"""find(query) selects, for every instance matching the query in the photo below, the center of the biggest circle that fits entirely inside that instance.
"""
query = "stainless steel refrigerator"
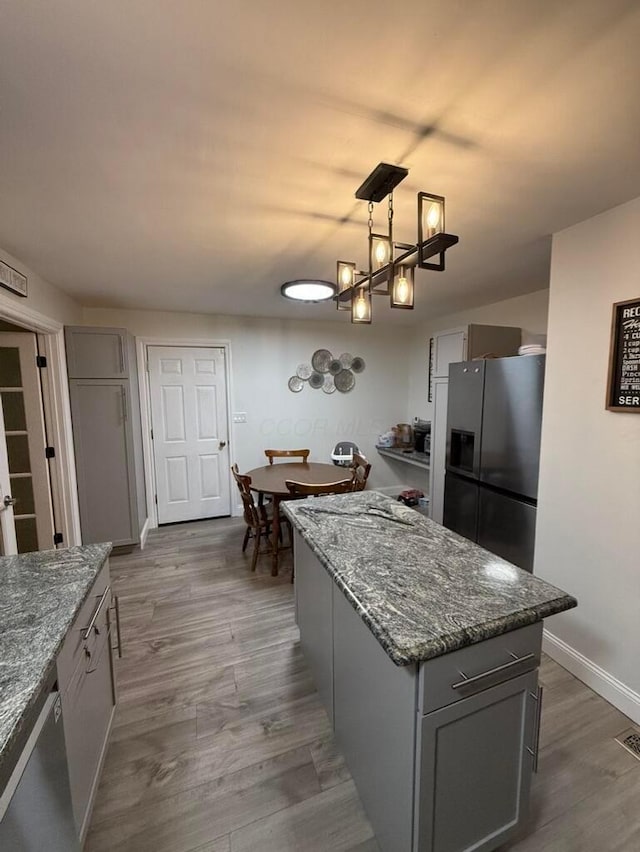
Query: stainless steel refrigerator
(494, 420)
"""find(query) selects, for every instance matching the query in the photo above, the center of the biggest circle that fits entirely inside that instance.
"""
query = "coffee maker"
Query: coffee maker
(422, 436)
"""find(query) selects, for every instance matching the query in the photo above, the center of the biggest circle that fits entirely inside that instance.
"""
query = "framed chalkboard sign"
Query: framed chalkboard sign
(623, 389)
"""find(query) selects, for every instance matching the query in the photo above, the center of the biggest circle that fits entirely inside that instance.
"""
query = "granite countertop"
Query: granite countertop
(422, 589)
(40, 595)
(408, 455)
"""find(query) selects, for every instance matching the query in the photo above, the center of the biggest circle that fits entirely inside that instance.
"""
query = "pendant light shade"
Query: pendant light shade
(345, 279)
(361, 305)
(402, 290)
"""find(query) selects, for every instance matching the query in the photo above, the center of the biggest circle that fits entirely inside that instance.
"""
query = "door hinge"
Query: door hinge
(156, 496)
(49, 452)
(58, 538)
(41, 361)
(152, 434)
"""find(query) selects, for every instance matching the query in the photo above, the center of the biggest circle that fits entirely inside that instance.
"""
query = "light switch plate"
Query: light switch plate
(240, 417)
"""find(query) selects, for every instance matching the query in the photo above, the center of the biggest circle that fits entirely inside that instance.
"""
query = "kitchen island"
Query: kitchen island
(55, 636)
(425, 649)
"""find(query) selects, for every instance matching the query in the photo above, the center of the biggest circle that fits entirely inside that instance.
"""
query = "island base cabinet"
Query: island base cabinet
(314, 616)
(475, 760)
(374, 722)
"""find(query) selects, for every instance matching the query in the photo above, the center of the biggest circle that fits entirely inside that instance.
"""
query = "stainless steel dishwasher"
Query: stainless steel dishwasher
(35, 807)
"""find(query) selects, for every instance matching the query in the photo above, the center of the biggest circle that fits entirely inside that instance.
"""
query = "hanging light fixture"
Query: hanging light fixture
(392, 265)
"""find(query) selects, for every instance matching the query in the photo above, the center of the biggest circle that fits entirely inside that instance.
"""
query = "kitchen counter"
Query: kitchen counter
(40, 596)
(422, 590)
(428, 646)
(406, 456)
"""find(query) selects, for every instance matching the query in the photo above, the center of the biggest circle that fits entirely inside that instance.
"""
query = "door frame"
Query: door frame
(145, 414)
(57, 414)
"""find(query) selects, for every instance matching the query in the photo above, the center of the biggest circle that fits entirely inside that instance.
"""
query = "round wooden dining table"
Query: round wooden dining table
(271, 480)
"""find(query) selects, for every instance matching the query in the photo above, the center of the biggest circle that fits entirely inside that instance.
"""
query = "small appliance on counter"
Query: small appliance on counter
(422, 436)
(405, 435)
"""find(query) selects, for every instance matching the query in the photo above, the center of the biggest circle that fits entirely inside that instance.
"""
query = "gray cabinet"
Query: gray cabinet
(473, 341)
(441, 752)
(374, 712)
(474, 769)
(87, 686)
(97, 353)
(105, 412)
(314, 615)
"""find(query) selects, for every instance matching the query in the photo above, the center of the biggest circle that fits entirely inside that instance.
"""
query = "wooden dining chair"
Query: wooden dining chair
(306, 489)
(361, 469)
(255, 517)
(287, 454)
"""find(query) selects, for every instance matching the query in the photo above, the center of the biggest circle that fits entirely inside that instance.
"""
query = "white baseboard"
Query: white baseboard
(144, 533)
(605, 684)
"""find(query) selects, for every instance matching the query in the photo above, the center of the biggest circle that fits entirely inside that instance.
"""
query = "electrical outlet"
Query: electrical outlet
(240, 417)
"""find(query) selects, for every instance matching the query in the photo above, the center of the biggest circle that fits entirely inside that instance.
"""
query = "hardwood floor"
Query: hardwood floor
(220, 743)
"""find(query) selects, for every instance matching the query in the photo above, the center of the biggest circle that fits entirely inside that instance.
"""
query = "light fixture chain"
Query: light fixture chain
(390, 207)
(370, 220)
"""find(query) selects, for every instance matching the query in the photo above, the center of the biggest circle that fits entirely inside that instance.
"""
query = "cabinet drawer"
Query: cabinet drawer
(445, 680)
(73, 648)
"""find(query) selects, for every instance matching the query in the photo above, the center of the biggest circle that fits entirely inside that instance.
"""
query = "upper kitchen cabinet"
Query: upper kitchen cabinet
(97, 353)
(107, 434)
(473, 341)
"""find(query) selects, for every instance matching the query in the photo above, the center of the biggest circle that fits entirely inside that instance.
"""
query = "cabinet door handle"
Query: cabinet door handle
(88, 655)
(92, 624)
(121, 354)
(536, 727)
(116, 609)
(125, 415)
(475, 683)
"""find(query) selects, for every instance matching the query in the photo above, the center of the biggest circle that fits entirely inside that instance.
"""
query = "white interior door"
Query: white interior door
(190, 441)
(8, 541)
(24, 442)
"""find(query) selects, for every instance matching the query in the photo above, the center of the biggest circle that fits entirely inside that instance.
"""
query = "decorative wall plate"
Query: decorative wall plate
(358, 365)
(345, 380)
(303, 371)
(335, 366)
(295, 384)
(346, 359)
(321, 359)
(329, 385)
(316, 380)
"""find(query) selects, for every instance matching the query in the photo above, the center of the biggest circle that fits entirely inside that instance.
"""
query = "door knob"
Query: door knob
(222, 445)
(10, 501)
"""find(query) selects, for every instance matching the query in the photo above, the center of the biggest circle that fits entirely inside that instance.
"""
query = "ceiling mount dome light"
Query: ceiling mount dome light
(310, 290)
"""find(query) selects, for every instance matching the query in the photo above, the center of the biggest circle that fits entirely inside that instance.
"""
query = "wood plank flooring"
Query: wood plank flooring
(220, 743)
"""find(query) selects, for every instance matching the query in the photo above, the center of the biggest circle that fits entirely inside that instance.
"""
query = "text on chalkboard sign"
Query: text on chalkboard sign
(623, 391)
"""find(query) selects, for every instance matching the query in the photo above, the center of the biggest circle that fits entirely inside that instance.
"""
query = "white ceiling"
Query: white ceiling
(194, 155)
